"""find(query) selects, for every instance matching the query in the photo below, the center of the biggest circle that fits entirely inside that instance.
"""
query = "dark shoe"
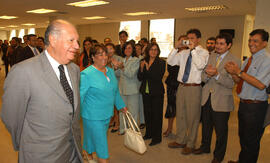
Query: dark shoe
(142, 126)
(114, 130)
(176, 145)
(154, 143)
(187, 151)
(215, 161)
(200, 151)
(233, 161)
(146, 137)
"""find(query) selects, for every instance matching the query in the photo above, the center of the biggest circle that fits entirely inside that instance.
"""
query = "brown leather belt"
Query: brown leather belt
(189, 84)
(251, 101)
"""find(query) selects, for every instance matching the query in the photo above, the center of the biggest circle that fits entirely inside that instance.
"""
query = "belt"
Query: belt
(251, 101)
(189, 84)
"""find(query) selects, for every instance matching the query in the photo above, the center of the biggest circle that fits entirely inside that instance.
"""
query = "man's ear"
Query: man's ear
(52, 40)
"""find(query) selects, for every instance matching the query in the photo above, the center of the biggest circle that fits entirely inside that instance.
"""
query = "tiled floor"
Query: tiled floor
(157, 154)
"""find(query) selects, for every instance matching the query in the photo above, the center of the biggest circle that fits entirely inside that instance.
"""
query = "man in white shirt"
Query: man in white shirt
(188, 98)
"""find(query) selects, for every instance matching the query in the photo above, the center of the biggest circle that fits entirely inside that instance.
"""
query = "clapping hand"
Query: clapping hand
(232, 68)
(211, 70)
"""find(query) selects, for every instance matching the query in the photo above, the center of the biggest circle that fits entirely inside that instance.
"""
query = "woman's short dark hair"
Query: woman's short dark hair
(110, 44)
(133, 48)
(96, 48)
(147, 56)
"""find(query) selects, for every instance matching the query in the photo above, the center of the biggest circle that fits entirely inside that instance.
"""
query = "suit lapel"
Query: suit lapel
(224, 60)
(73, 77)
(51, 78)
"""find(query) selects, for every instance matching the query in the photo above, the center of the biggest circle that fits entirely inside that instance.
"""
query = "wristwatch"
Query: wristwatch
(240, 73)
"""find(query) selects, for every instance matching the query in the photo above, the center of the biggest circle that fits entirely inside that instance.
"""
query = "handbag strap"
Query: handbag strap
(134, 122)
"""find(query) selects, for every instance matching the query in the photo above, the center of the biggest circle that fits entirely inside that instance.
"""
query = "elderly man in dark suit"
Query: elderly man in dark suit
(217, 98)
(42, 111)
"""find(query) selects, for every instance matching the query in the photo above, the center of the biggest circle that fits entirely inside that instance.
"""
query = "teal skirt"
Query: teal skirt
(95, 137)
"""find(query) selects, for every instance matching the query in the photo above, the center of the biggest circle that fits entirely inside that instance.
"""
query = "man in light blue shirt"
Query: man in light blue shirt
(252, 80)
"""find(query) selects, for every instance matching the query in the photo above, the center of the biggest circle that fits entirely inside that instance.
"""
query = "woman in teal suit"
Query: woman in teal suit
(99, 93)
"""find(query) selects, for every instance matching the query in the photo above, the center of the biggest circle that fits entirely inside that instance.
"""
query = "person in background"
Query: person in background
(85, 59)
(4, 48)
(144, 42)
(123, 36)
(18, 51)
(217, 98)
(152, 69)
(40, 44)
(153, 40)
(107, 40)
(99, 93)
(210, 45)
(252, 79)
(25, 41)
(172, 85)
(139, 54)
(188, 97)
(14, 43)
(128, 82)
(114, 62)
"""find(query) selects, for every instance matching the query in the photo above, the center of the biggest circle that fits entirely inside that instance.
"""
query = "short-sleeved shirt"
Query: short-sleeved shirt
(260, 69)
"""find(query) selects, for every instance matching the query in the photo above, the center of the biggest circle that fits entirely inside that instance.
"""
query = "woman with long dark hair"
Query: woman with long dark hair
(85, 58)
(152, 69)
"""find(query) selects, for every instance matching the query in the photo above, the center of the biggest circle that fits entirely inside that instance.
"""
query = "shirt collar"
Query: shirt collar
(258, 53)
(53, 62)
(223, 55)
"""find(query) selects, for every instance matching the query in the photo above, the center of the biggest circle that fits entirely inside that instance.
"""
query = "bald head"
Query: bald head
(55, 28)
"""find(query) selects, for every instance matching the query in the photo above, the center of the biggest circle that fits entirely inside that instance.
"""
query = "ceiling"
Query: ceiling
(114, 11)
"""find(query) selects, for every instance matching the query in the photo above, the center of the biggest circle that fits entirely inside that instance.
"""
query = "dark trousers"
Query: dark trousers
(153, 114)
(218, 120)
(6, 65)
(250, 121)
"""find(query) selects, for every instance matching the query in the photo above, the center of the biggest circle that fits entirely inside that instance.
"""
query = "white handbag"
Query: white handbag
(133, 137)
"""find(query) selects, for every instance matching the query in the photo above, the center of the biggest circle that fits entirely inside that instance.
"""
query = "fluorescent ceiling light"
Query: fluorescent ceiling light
(12, 26)
(140, 13)
(8, 17)
(206, 8)
(41, 11)
(29, 24)
(88, 3)
(2, 27)
(94, 17)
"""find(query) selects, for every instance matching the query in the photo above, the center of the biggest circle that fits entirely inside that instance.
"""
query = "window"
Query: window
(12, 34)
(32, 31)
(21, 34)
(163, 31)
(133, 28)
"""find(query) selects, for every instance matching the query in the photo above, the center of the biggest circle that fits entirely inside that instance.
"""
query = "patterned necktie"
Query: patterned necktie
(66, 86)
(187, 68)
(240, 84)
(35, 51)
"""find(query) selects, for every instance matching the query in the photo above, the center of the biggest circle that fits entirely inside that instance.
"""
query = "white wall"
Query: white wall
(210, 26)
(3, 35)
(262, 16)
(99, 31)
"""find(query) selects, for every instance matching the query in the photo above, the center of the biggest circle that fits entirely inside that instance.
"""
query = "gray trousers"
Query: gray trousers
(188, 112)
(132, 103)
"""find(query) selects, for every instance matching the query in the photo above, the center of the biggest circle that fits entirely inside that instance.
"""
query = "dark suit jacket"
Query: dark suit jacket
(119, 50)
(27, 53)
(17, 55)
(154, 77)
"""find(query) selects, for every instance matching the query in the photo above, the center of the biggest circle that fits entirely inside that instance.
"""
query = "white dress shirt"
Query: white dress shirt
(55, 65)
(198, 63)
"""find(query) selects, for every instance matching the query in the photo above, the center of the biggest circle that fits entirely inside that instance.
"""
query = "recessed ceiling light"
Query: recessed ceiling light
(12, 26)
(140, 13)
(41, 11)
(206, 8)
(28, 24)
(88, 3)
(8, 17)
(94, 17)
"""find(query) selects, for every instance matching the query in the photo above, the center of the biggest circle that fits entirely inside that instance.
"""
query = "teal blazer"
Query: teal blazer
(98, 95)
(128, 82)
